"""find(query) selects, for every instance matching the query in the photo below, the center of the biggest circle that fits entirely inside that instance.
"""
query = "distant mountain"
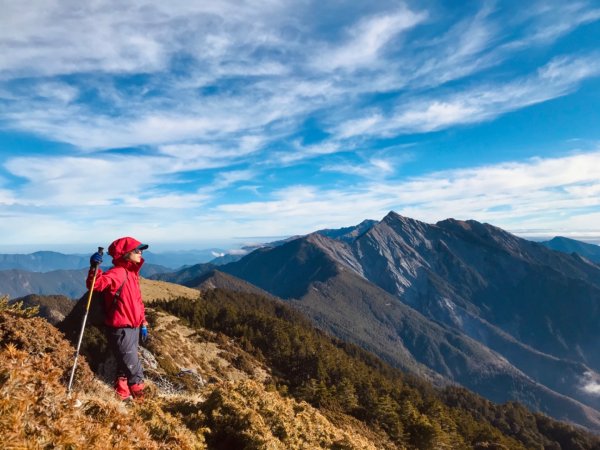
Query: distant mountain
(227, 258)
(149, 269)
(566, 245)
(184, 275)
(43, 261)
(19, 283)
(532, 312)
(178, 259)
(69, 283)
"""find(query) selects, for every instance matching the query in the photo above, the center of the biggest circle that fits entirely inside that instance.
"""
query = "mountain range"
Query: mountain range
(456, 301)
(47, 261)
(70, 283)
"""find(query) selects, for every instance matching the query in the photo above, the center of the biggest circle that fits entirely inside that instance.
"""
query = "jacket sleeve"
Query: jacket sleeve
(113, 278)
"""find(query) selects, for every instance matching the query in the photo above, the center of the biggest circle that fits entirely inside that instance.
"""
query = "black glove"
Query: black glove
(96, 259)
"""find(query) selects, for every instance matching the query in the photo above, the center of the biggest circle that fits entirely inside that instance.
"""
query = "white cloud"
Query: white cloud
(7, 197)
(98, 181)
(230, 85)
(591, 383)
(547, 21)
(533, 194)
(277, 56)
(559, 77)
(367, 40)
(375, 168)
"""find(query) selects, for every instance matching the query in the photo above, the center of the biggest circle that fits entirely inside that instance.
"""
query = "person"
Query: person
(125, 317)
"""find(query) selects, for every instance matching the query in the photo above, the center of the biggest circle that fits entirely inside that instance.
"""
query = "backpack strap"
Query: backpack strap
(117, 296)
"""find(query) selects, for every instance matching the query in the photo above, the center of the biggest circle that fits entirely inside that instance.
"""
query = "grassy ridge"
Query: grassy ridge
(338, 377)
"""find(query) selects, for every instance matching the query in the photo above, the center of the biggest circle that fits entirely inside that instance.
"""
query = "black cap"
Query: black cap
(142, 247)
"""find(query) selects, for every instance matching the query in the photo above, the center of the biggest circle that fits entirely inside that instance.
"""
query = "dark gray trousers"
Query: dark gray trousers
(124, 345)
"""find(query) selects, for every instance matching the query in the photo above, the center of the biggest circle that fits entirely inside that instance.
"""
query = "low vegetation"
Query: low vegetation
(340, 378)
(274, 382)
(36, 412)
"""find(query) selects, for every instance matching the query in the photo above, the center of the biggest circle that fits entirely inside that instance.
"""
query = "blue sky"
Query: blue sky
(218, 123)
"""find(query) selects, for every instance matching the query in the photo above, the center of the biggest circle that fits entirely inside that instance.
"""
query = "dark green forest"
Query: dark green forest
(338, 377)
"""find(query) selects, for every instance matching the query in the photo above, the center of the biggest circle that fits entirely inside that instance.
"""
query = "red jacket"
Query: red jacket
(128, 309)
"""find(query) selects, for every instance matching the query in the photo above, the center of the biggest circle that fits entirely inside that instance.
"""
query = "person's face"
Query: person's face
(134, 256)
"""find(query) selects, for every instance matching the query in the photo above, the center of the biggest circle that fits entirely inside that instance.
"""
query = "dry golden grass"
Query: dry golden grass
(153, 290)
(246, 416)
(35, 411)
(212, 356)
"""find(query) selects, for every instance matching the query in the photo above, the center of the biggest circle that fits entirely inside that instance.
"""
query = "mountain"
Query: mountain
(69, 283)
(566, 245)
(227, 370)
(185, 274)
(178, 259)
(478, 291)
(18, 283)
(348, 234)
(43, 261)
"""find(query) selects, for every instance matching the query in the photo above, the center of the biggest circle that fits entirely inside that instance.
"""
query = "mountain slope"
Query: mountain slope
(357, 311)
(533, 308)
(53, 308)
(566, 245)
(339, 376)
(458, 271)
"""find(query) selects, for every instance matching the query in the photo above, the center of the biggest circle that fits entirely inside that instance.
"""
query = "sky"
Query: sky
(197, 124)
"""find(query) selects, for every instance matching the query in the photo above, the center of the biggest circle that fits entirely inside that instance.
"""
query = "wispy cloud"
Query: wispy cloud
(95, 181)
(546, 21)
(367, 39)
(537, 192)
(553, 194)
(477, 104)
(156, 107)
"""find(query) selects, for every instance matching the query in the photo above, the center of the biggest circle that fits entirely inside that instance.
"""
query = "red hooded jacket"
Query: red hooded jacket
(128, 309)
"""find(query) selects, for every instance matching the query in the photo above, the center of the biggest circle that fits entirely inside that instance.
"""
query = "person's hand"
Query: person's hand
(96, 259)
(144, 332)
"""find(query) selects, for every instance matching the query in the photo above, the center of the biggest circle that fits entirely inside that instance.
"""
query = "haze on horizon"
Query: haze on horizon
(204, 122)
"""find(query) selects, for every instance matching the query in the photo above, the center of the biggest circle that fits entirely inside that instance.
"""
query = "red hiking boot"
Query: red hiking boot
(137, 390)
(122, 389)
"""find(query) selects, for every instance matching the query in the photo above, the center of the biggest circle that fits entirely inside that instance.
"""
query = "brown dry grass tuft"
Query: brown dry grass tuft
(35, 412)
(244, 415)
(153, 290)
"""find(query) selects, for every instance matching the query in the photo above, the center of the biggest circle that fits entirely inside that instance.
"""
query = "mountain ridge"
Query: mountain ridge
(453, 272)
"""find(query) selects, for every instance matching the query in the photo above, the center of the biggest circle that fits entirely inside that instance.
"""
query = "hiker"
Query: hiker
(124, 311)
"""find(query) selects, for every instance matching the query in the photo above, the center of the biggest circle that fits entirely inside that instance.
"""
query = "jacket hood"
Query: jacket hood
(122, 246)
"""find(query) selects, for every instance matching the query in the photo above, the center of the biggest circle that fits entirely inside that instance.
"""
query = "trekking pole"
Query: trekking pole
(87, 309)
